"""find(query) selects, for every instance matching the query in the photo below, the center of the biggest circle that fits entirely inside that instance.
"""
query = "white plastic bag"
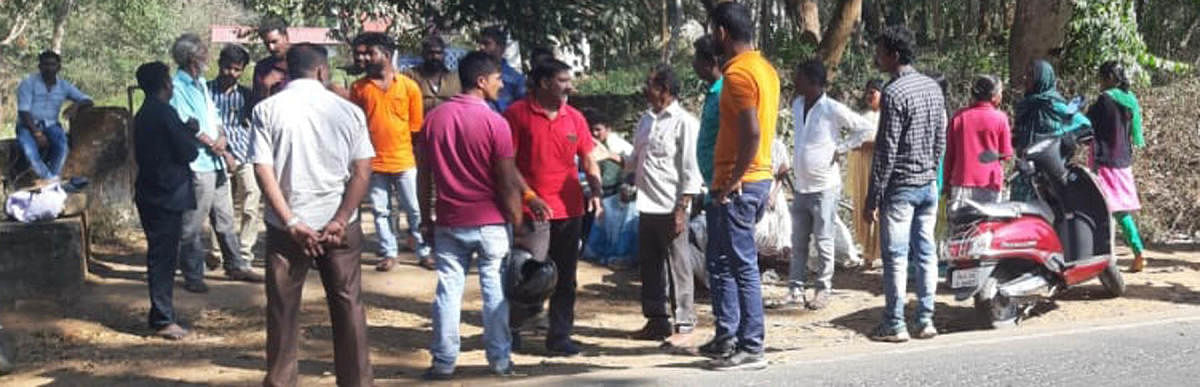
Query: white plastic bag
(31, 205)
(773, 234)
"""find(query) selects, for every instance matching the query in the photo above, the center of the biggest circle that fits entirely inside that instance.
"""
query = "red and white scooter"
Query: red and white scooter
(1011, 255)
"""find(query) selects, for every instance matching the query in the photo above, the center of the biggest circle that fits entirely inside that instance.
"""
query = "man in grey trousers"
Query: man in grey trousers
(667, 178)
(211, 180)
(818, 123)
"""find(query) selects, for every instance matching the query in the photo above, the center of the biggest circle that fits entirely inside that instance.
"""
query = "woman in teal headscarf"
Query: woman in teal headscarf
(1042, 113)
(1117, 118)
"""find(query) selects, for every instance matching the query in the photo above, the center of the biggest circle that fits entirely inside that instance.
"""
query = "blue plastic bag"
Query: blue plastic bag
(613, 240)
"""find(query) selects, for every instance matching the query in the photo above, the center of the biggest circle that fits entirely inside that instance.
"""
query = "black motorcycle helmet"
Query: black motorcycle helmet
(529, 282)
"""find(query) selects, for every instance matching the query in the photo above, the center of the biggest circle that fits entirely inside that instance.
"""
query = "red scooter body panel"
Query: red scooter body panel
(1028, 237)
(1084, 272)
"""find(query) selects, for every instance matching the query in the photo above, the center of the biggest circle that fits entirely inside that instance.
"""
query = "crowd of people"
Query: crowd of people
(485, 160)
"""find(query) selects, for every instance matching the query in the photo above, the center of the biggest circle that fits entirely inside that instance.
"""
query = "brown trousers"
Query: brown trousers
(287, 267)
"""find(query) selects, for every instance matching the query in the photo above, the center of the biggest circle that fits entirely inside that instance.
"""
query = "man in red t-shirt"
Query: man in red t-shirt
(549, 137)
(973, 131)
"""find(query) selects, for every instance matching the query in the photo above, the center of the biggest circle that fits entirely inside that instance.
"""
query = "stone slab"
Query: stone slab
(43, 259)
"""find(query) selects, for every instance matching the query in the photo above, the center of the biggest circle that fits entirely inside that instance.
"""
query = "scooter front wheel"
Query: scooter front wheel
(995, 310)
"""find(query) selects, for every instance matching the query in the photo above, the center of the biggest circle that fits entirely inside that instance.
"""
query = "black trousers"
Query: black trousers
(559, 241)
(164, 230)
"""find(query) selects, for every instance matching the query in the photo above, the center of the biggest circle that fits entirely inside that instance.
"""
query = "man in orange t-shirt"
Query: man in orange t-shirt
(742, 173)
(392, 103)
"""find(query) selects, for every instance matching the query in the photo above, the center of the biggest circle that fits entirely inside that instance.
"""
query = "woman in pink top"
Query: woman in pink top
(973, 131)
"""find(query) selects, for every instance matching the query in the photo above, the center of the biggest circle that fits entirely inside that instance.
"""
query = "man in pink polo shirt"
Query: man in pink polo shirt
(468, 152)
(973, 131)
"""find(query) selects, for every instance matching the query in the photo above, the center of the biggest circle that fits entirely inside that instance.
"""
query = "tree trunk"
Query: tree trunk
(806, 17)
(872, 17)
(60, 24)
(674, 22)
(20, 22)
(938, 19)
(833, 44)
(985, 19)
(1039, 31)
(766, 19)
(1187, 37)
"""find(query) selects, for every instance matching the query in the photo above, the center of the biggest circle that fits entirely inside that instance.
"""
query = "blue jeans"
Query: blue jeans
(732, 261)
(907, 220)
(404, 185)
(453, 248)
(48, 165)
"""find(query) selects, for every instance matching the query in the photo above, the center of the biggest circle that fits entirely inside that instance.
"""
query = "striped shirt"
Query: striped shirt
(231, 107)
(911, 137)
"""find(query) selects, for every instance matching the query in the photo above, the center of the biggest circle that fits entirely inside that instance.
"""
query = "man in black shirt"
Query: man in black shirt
(164, 146)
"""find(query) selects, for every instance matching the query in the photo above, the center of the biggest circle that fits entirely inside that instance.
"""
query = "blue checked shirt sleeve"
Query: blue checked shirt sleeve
(887, 140)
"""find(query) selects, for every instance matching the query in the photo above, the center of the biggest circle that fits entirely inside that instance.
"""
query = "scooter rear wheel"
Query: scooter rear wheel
(992, 309)
(1112, 280)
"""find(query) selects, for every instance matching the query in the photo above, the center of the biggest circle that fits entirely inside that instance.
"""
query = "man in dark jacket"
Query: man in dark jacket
(164, 147)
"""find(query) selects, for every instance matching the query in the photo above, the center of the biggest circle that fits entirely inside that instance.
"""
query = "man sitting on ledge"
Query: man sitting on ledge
(39, 99)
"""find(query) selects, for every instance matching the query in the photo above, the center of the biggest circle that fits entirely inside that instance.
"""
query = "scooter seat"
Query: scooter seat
(1004, 210)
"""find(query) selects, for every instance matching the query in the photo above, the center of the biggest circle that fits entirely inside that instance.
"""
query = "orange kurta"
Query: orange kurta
(393, 115)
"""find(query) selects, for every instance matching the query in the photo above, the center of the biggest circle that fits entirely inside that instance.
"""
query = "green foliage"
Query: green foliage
(1103, 30)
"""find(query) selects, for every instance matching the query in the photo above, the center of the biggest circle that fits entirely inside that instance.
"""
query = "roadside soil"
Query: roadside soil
(100, 339)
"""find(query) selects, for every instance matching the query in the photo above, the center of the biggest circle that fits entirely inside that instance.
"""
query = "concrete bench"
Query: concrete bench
(43, 259)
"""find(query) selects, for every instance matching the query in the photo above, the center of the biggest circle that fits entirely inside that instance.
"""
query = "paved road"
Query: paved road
(1163, 352)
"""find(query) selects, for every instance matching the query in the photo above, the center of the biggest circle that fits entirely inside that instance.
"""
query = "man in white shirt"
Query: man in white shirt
(312, 154)
(667, 177)
(818, 122)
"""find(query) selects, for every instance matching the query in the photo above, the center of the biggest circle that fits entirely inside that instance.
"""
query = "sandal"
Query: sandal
(427, 263)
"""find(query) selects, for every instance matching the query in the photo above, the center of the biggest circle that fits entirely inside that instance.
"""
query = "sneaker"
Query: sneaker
(654, 330)
(820, 300)
(503, 372)
(565, 348)
(739, 361)
(793, 300)
(195, 287)
(927, 331)
(433, 375)
(889, 335)
(717, 349)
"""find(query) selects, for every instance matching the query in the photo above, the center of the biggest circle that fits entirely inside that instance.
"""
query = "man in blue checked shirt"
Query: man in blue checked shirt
(213, 199)
(230, 99)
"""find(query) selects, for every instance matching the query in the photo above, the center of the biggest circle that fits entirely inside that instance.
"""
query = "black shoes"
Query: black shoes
(717, 349)
(740, 360)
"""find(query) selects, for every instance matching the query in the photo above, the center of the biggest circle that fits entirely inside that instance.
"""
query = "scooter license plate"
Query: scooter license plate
(964, 278)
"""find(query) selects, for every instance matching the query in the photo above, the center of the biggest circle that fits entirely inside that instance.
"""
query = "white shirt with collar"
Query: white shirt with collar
(311, 137)
(664, 156)
(818, 140)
